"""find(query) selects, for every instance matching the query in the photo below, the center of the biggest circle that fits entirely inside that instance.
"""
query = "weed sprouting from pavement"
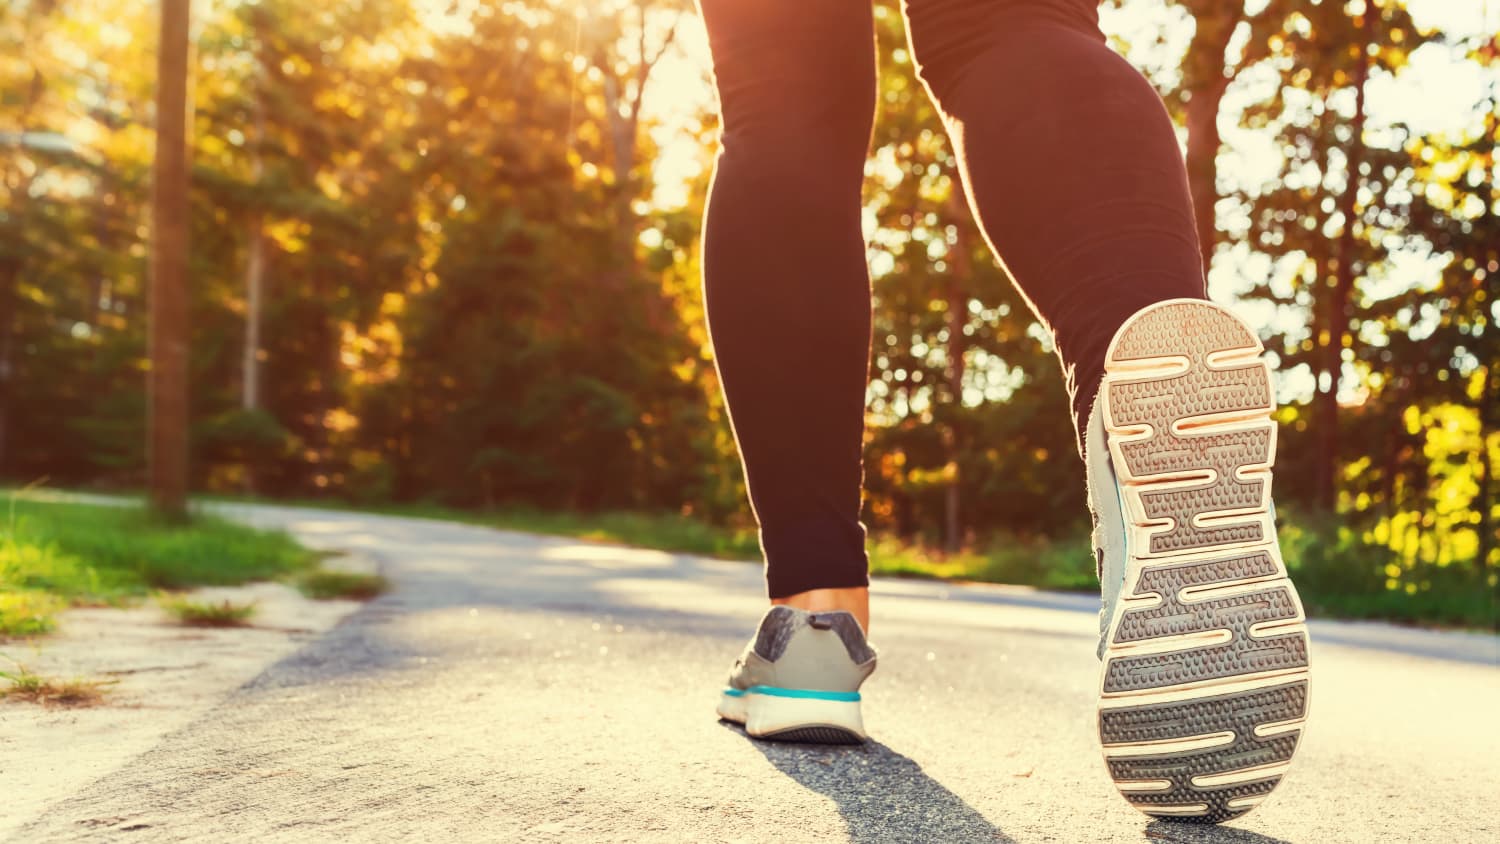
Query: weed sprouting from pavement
(324, 585)
(193, 613)
(30, 687)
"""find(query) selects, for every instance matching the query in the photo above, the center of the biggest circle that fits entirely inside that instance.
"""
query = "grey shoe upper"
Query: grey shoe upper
(796, 649)
(1110, 553)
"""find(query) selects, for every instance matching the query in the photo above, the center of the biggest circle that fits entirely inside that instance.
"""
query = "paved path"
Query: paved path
(516, 688)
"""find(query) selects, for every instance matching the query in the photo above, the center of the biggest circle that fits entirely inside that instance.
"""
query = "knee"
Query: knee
(797, 121)
(796, 90)
(1056, 94)
(955, 39)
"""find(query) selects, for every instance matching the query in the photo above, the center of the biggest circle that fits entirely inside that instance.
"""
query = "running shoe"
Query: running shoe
(799, 679)
(1204, 684)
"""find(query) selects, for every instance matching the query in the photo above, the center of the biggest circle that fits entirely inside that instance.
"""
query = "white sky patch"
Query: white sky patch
(678, 96)
(1458, 18)
(447, 17)
(1151, 35)
(1439, 92)
(1436, 93)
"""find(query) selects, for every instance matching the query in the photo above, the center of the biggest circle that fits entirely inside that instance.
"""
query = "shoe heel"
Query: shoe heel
(732, 706)
(804, 716)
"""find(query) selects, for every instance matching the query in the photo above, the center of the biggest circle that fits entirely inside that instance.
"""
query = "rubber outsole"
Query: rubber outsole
(794, 720)
(1204, 688)
(815, 735)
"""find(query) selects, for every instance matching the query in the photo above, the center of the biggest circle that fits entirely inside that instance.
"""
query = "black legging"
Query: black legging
(1071, 167)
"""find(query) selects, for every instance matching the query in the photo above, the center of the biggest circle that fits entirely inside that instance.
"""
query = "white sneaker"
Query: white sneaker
(799, 678)
(1204, 684)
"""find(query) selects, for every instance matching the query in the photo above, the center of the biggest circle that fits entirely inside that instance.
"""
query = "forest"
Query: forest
(446, 253)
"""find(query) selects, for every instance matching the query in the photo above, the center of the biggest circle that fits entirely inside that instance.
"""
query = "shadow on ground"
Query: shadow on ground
(1187, 833)
(882, 795)
(885, 796)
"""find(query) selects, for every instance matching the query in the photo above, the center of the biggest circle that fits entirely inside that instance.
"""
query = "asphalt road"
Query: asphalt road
(516, 688)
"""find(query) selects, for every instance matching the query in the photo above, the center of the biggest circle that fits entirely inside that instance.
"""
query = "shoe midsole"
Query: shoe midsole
(766, 712)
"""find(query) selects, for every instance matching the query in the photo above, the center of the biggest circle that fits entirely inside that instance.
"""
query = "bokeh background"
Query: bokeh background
(444, 260)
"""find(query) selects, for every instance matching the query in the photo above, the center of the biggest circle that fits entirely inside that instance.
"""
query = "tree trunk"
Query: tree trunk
(622, 142)
(255, 272)
(625, 117)
(1489, 390)
(1207, 81)
(1488, 398)
(1202, 167)
(952, 503)
(10, 272)
(254, 296)
(1343, 281)
(167, 428)
(255, 262)
(616, 280)
(255, 282)
(17, 184)
(960, 269)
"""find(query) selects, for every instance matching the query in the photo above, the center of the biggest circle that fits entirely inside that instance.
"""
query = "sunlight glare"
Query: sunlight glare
(677, 98)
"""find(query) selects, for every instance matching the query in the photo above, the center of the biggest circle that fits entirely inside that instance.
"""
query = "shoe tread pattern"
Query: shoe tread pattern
(815, 735)
(1242, 654)
(1193, 450)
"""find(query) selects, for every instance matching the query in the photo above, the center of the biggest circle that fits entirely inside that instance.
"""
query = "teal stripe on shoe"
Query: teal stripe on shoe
(809, 694)
(735, 692)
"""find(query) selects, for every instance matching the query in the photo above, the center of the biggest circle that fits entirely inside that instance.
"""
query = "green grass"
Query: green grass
(1469, 609)
(193, 613)
(662, 531)
(1005, 558)
(54, 555)
(1066, 564)
(326, 585)
(1337, 574)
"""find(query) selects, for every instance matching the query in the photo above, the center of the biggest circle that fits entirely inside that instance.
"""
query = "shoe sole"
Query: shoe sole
(1204, 687)
(794, 719)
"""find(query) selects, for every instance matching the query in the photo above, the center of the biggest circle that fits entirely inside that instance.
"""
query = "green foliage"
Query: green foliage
(1066, 563)
(28, 612)
(1342, 574)
(54, 555)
